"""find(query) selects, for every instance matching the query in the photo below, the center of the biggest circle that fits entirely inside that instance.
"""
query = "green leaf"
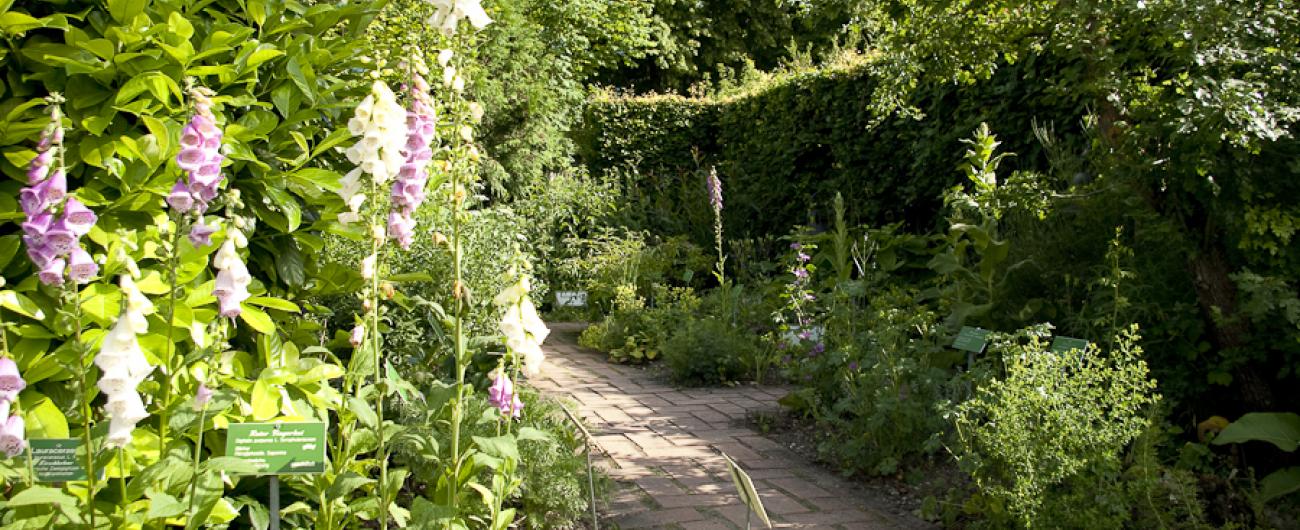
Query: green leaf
(275, 303)
(20, 304)
(163, 505)
(156, 83)
(1278, 428)
(363, 412)
(125, 10)
(266, 400)
(44, 419)
(503, 446)
(1279, 483)
(264, 53)
(230, 464)
(345, 484)
(257, 319)
(40, 495)
(408, 277)
(531, 433)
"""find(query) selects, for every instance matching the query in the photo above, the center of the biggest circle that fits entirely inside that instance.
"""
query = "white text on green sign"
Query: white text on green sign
(279, 448)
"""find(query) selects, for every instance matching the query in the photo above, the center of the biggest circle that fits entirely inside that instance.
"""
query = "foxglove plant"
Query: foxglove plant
(502, 394)
(382, 153)
(715, 201)
(124, 366)
(13, 435)
(408, 190)
(524, 330)
(54, 221)
(52, 233)
(189, 200)
(233, 278)
(200, 159)
(449, 13)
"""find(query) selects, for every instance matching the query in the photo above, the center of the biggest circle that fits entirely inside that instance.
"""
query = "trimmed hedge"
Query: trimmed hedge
(785, 147)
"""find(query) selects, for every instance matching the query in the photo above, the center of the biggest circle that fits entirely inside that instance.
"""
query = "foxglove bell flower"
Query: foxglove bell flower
(202, 396)
(524, 330)
(233, 278)
(124, 366)
(201, 234)
(449, 13)
(200, 158)
(380, 122)
(81, 267)
(10, 380)
(54, 222)
(502, 395)
(13, 432)
(358, 336)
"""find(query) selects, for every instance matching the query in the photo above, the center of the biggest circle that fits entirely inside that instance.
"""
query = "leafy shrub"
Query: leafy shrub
(553, 492)
(879, 390)
(635, 332)
(789, 144)
(708, 351)
(1051, 418)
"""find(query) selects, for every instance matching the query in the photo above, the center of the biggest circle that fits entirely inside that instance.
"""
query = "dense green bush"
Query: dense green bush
(706, 351)
(785, 146)
(1052, 417)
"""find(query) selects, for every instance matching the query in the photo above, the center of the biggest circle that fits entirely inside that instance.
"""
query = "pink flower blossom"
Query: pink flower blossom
(201, 234)
(81, 267)
(202, 396)
(10, 379)
(502, 395)
(13, 436)
(358, 336)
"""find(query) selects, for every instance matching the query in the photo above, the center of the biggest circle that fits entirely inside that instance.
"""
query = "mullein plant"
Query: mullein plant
(55, 223)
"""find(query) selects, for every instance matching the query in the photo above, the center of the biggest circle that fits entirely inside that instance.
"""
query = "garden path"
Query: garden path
(661, 448)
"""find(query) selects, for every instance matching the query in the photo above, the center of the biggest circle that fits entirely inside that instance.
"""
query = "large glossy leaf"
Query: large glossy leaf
(1278, 428)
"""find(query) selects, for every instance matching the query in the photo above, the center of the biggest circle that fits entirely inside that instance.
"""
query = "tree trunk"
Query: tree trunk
(1217, 295)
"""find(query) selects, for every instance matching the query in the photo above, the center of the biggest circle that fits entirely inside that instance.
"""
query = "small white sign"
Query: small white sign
(571, 298)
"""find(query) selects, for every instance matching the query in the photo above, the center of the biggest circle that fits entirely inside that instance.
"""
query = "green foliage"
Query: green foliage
(786, 146)
(1052, 416)
(529, 73)
(282, 73)
(635, 332)
(706, 351)
(713, 42)
(1281, 429)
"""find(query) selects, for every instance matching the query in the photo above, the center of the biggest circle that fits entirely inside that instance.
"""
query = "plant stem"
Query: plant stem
(459, 302)
(165, 404)
(84, 387)
(380, 388)
(198, 450)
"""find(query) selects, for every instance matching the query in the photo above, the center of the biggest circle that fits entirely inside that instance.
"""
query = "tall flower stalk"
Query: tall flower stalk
(200, 161)
(715, 202)
(379, 155)
(52, 231)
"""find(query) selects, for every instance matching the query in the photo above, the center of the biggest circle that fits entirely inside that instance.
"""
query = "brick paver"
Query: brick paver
(661, 445)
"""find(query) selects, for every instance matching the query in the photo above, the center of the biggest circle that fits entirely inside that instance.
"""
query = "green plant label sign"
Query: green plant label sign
(1068, 344)
(745, 488)
(279, 448)
(55, 460)
(971, 339)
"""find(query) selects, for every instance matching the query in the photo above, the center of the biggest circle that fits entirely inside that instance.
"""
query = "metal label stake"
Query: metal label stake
(275, 502)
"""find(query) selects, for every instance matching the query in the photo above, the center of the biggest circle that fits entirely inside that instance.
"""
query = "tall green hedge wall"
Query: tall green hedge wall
(785, 147)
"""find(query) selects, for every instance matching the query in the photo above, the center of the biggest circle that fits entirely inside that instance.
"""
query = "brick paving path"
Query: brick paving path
(660, 444)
